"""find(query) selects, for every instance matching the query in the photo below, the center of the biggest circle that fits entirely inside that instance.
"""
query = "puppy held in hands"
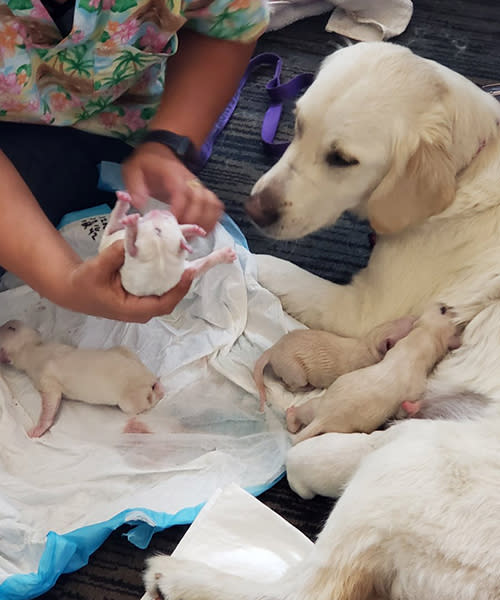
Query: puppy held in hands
(363, 400)
(114, 377)
(156, 247)
(310, 357)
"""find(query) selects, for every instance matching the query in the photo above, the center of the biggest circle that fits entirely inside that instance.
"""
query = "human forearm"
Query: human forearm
(201, 79)
(34, 250)
(30, 246)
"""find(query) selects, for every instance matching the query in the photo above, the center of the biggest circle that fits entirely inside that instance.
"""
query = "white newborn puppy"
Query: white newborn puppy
(363, 400)
(155, 249)
(310, 357)
(115, 377)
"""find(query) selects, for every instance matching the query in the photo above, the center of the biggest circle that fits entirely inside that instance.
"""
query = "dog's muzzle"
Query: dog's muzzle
(263, 208)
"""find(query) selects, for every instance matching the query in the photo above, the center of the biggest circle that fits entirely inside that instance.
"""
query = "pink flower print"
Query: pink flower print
(108, 4)
(33, 105)
(75, 102)
(240, 4)
(9, 84)
(154, 40)
(77, 36)
(94, 3)
(47, 118)
(39, 11)
(12, 103)
(59, 102)
(108, 119)
(133, 119)
(127, 30)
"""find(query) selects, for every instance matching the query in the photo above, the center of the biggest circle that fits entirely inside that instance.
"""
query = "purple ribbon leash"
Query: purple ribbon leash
(278, 93)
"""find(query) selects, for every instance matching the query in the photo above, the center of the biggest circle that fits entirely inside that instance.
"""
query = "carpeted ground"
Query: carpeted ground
(464, 36)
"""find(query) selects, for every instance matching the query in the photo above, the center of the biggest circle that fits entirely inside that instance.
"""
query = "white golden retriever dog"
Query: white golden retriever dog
(415, 148)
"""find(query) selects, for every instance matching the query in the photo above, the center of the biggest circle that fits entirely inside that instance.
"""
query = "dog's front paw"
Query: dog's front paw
(168, 578)
(303, 295)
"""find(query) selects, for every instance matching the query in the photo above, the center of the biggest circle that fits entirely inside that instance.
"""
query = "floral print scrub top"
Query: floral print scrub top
(106, 76)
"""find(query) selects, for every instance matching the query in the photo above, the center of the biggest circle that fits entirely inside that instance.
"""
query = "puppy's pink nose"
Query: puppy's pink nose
(263, 208)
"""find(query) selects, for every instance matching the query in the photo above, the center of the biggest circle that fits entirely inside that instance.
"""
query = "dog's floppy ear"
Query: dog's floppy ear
(412, 192)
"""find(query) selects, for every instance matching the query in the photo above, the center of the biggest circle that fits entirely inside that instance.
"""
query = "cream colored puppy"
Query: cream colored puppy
(363, 400)
(114, 377)
(156, 247)
(312, 357)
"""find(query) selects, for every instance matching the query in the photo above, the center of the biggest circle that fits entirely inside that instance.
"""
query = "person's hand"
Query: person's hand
(94, 288)
(154, 170)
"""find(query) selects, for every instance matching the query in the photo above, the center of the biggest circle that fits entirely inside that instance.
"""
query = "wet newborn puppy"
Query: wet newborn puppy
(363, 400)
(115, 377)
(311, 357)
(155, 249)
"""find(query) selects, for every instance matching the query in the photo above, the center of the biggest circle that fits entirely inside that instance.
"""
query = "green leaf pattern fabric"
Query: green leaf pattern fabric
(107, 75)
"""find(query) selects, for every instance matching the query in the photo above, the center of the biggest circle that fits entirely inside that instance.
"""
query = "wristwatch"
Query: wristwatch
(180, 145)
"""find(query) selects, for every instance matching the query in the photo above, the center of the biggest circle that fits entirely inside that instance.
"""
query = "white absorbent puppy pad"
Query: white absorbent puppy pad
(237, 534)
(61, 495)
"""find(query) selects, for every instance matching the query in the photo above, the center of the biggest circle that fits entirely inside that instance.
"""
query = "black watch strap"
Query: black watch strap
(180, 145)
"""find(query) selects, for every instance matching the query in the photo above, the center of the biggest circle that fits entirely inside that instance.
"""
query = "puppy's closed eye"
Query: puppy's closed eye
(334, 158)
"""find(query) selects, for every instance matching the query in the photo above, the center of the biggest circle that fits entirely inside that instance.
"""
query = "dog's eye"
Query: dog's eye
(335, 159)
(443, 309)
(11, 328)
(158, 231)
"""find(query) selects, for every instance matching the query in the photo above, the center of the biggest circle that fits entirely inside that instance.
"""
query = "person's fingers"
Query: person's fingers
(136, 185)
(110, 259)
(213, 211)
(205, 209)
(194, 208)
(178, 203)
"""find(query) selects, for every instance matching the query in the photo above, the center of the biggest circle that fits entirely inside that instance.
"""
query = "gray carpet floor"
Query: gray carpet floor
(464, 35)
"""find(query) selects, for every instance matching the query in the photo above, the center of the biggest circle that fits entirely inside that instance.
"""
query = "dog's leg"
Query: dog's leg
(397, 531)
(324, 465)
(314, 301)
(176, 579)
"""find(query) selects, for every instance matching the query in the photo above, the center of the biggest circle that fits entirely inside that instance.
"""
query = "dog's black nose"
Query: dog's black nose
(262, 209)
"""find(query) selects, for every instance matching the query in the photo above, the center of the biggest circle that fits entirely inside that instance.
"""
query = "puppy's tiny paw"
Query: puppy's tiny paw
(37, 431)
(130, 220)
(292, 422)
(228, 255)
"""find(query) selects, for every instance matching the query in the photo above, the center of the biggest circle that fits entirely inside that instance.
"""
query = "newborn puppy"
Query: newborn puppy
(316, 358)
(363, 400)
(155, 249)
(115, 377)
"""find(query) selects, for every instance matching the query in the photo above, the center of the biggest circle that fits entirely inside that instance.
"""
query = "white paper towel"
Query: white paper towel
(238, 534)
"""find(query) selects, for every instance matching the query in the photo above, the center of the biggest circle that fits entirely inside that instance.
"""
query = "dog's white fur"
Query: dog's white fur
(418, 519)
(115, 377)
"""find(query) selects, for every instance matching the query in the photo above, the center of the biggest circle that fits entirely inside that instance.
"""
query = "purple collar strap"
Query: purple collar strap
(278, 93)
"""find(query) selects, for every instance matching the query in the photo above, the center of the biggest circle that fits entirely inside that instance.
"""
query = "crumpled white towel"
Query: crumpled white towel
(206, 433)
(365, 20)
